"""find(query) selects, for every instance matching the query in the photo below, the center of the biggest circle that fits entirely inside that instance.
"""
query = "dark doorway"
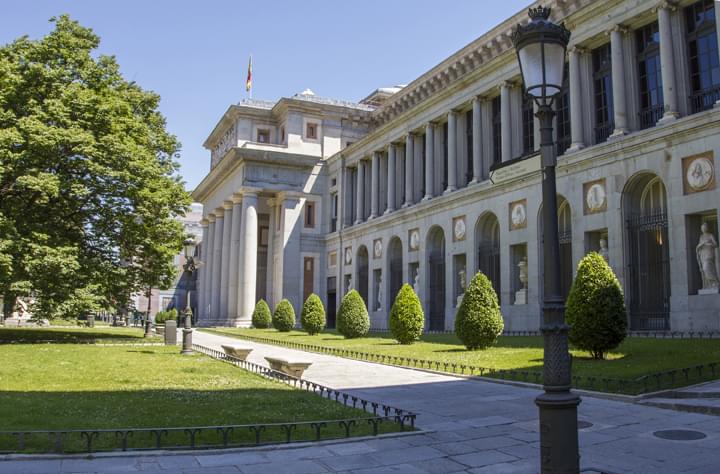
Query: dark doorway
(331, 301)
(436, 279)
(396, 269)
(362, 276)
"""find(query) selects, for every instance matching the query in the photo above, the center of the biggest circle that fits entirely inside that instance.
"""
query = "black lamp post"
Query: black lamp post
(190, 267)
(540, 47)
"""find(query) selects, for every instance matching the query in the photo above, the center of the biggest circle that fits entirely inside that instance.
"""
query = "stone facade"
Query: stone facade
(440, 178)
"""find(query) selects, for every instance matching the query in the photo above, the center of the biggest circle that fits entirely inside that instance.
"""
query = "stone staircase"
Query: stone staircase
(704, 398)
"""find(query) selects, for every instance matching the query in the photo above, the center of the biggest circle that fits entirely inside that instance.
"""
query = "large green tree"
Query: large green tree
(89, 189)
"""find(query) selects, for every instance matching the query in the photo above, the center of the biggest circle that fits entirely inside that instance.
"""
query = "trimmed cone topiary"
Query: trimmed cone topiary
(407, 319)
(478, 321)
(261, 317)
(312, 318)
(595, 308)
(352, 318)
(283, 318)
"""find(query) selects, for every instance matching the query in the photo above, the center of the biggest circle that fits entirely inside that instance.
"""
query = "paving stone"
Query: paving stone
(351, 448)
(398, 456)
(293, 454)
(213, 470)
(177, 462)
(353, 461)
(455, 448)
(31, 467)
(439, 466)
(483, 458)
(230, 459)
(398, 468)
(295, 467)
(119, 464)
(517, 467)
(493, 442)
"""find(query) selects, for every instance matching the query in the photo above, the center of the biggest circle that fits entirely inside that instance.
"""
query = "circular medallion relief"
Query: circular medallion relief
(377, 248)
(348, 256)
(518, 214)
(596, 196)
(459, 229)
(699, 173)
(414, 240)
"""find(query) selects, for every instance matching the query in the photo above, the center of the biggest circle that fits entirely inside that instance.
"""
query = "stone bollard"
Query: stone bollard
(91, 320)
(170, 332)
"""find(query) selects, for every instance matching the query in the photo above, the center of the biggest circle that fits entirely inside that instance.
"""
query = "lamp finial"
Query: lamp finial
(539, 13)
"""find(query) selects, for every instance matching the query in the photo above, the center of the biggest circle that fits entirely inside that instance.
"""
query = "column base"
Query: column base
(618, 133)
(358, 222)
(474, 181)
(449, 190)
(667, 118)
(406, 205)
(426, 198)
(371, 217)
(388, 211)
(575, 147)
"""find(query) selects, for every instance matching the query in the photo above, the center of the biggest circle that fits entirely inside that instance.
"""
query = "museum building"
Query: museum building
(430, 182)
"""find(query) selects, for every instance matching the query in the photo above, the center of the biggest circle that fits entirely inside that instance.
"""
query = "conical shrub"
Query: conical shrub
(595, 308)
(283, 318)
(352, 318)
(478, 321)
(312, 318)
(407, 319)
(261, 317)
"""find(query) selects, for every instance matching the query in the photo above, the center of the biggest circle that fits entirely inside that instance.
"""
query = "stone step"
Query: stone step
(706, 406)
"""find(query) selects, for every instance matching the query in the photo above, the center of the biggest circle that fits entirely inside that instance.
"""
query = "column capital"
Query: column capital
(211, 218)
(219, 213)
(577, 49)
(204, 222)
(236, 198)
(249, 191)
(227, 205)
(665, 5)
(619, 28)
(506, 84)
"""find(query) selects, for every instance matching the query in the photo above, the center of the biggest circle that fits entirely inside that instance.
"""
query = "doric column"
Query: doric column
(374, 184)
(409, 168)
(667, 62)
(391, 179)
(452, 152)
(576, 115)
(618, 80)
(234, 259)
(202, 270)
(429, 160)
(215, 308)
(505, 124)
(360, 190)
(225, 262)
(476, 141)
(248, 261)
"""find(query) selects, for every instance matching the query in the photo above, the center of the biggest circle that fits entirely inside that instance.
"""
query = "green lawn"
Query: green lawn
(634, 358)
(79, 334)
(69, 386)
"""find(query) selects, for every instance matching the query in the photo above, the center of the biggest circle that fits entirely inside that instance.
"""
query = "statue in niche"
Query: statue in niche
(706, 252)
(522, 267)
(604, 250)
(378, 292)
(462, 281)
(416, 281)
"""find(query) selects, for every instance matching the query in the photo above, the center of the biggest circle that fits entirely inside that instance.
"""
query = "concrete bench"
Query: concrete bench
(238, 352)
(294, 368)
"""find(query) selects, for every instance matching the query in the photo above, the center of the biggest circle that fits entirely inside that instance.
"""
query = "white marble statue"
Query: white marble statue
(416, 281)
(604, 250)
(522, 266)
(706, 252)
(462, 276)
(379, 293)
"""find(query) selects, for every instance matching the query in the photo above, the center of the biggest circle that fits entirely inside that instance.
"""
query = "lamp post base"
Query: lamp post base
(559, 432)
(187, 342)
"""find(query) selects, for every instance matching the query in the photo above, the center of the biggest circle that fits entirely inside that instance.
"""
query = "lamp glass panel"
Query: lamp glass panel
(531, 61)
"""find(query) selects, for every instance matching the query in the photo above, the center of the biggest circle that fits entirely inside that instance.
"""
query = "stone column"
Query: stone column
(234, 258)
(409, 169)
(667, 62)
(429, 160)
(360, 190)
(576, 114)
(225, 262)
(618, 80)
(248, 263)
(476, 141)
(216, 266)
(203, 270)
(506, 126)
(391, 179)
(374, 184)
(452, 153)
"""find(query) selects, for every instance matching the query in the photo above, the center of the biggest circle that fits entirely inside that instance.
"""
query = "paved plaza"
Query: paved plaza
(468, 426)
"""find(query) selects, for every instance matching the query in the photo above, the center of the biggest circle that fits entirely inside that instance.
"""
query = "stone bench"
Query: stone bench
(294, 368)
(238, 352)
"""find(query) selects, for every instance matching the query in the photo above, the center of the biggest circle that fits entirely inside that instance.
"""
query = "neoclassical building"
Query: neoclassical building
(430, 182)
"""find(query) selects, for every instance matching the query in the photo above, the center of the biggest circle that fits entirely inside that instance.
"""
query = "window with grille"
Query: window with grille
(562, 108)
(704, 67)
(649, 75)
(602, 82)
(528, 126)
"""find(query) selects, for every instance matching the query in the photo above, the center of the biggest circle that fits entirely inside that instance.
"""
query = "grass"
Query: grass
(70, 335)
(634, 358)
(68, 386)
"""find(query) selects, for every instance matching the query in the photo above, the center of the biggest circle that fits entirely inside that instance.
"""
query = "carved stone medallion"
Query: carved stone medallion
(414, 239)
(518, 214)
(459, 229)
(595, 196)
(699, 173)
(377, 248)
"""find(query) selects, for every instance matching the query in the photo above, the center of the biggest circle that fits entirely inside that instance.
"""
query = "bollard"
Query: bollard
(170, 332)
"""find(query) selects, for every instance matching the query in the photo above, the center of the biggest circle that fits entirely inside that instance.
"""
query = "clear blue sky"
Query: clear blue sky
(195, 53)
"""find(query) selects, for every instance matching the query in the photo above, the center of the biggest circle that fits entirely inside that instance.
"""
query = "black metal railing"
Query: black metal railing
(704, 99)
(646, 383)
(650, 116)
(603, 131)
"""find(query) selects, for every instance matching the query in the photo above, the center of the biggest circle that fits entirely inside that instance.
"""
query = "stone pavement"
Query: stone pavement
(469, 426)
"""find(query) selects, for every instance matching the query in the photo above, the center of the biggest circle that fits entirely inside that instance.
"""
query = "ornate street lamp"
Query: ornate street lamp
(190, 267)
(540, 47)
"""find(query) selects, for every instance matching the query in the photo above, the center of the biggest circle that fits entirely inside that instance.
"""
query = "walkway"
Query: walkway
(470, 426)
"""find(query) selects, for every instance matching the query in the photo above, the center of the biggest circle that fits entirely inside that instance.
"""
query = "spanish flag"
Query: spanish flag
(248, 82)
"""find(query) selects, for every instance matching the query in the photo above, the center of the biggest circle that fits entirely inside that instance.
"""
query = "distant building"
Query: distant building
(175, 297)
(441, 178)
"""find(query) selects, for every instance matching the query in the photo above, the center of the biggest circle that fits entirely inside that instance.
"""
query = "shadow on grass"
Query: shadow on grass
(31, 335)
